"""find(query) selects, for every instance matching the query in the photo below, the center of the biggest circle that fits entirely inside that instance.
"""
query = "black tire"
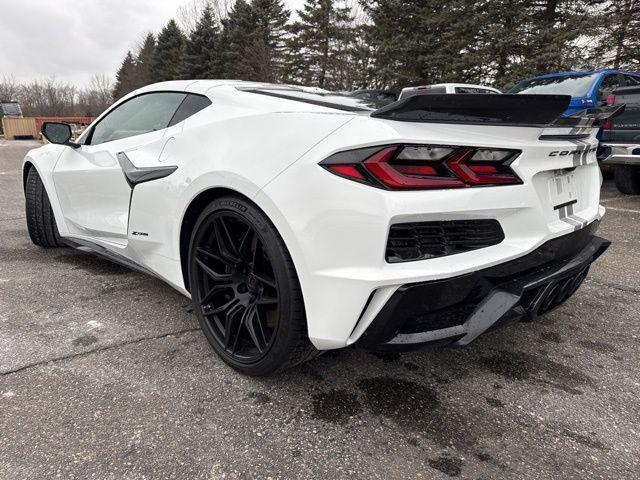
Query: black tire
(40, 220)
(220, 302)
(627, 178)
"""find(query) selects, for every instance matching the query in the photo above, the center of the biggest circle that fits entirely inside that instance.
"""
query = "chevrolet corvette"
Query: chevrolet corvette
(300, 221)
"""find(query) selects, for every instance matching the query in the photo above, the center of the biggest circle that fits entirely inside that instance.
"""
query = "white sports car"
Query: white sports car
(302, 221)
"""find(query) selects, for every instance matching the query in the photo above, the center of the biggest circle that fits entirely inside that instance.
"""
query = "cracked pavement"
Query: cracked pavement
(104, 374)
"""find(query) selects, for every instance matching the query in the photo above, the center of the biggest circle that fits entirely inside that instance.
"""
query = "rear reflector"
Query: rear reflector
(416, 167)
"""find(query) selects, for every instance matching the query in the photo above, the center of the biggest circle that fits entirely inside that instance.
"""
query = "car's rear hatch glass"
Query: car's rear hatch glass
(574, 85)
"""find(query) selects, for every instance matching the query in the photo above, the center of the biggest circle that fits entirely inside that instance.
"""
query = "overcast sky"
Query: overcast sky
(75, 39)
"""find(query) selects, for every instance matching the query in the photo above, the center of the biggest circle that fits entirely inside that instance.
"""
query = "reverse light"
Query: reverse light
(423, 153)
(417, 167)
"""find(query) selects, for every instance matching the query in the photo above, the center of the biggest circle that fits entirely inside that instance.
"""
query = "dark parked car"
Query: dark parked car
(621, 140)
(588, 89)
(377, 97)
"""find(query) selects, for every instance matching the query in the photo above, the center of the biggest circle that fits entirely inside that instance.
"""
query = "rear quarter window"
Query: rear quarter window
(473, 90)
(191, 105)
(631, 80)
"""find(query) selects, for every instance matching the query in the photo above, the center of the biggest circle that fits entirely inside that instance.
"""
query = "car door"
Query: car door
(93, 191)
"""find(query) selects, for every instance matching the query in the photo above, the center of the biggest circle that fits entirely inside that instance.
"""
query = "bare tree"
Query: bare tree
(8, 88)
(52, 98)
(189, 13)
(95, 98)
(47, 98)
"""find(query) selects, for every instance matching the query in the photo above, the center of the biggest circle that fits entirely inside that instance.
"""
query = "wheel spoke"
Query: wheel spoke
(245, 245)
(208, 309)
(226, 306)
(208, 297)
(267, 281)
(209, 254)
(218, 277)
(254, 255)
(225, 242)
(260, 327)
(232, 327)
(255, 333)
(267, 300)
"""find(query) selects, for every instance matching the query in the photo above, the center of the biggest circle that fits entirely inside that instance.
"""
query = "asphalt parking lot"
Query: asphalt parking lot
(104, 374)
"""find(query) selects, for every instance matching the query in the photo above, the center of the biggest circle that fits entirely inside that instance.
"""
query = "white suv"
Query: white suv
(446, 88)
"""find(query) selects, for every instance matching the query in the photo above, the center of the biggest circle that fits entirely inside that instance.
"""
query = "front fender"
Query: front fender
(44, 160)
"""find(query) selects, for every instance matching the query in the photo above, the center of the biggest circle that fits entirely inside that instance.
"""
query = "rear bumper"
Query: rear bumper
(457, 310)
(622, 154)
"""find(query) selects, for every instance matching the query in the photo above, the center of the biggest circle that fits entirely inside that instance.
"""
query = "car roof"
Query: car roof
(473, 85)
(201, 86)
(584, 72)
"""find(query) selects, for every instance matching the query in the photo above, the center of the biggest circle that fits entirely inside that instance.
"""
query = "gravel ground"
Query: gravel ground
(104, 374)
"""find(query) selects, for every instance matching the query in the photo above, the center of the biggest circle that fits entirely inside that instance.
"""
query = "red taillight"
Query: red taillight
(611, 99)
(348, 171)
(403, 167)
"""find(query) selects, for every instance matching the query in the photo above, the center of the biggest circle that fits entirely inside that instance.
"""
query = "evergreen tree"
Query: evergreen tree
(500, 45)
(557, 28)
(420, 41)
(266, 54)
(253, 39)
(235, 37)
(202, 57)
(320, 46)
(168, 53)
(144, 60)
(488, 41)
(619, 42)
(125, 77)
(524, 38)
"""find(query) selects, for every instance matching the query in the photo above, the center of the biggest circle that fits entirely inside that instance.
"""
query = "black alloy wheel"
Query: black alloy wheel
(237, 292)
(245, 291)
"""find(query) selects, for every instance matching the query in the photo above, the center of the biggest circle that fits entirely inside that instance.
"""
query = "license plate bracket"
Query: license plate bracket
(563, 189)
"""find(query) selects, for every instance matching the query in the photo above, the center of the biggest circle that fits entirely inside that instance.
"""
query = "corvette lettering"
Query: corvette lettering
(563, 153)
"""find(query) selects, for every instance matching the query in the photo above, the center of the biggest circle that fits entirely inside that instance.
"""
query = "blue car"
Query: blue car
(588, 89)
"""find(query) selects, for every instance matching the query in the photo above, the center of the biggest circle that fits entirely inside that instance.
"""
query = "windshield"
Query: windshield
(574, 85)
(324, 98)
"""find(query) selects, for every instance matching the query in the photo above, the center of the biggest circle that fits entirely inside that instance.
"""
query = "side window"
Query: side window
(190, 106)
(632, 81)
(472, 90)
(142, 114)
(609, 83)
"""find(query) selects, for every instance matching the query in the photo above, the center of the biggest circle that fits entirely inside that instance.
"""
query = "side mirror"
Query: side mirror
(58, 133)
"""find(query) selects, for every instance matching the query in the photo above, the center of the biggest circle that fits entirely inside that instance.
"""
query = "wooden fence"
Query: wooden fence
(19, 127)
(32, 126)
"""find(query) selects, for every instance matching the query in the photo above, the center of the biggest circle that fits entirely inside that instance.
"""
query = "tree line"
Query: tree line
(339, 45)
(387, 43)
(53, 98)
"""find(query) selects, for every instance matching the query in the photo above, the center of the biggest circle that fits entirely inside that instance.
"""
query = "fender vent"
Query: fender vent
(423, 240)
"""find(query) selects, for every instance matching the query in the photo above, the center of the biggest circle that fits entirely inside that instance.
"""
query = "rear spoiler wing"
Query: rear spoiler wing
(591, 116)
(498, 110)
